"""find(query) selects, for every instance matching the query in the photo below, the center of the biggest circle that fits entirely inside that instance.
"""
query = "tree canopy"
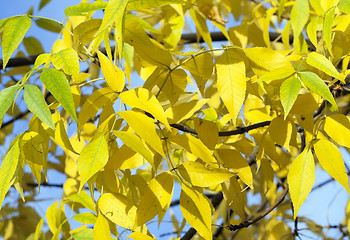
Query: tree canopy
(140, 115)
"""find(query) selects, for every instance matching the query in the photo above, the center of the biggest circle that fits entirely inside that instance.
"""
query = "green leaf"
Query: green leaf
(37, 105)
(92, 159)
(8, 169)
(80, 9)
(289, 92)
(317, 85)
(344, 6)
(57, 83)
(49, 25)
(33, 46)
(14, 31)
(6, 98)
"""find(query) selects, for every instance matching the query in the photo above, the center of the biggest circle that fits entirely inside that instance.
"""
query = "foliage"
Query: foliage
(253, 117)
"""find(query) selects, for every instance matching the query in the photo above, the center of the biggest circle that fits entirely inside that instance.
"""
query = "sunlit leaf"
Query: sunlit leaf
(67, 60)
(301, 177)
(80, 9)
(234, 196)
(6, 97)
(92, 159)
(57, 83)
(196, 210)
(231, 81)
(14, 30)
(299, 16)
(321, 62)
(101, 228)
(338, 128)
(289, 92)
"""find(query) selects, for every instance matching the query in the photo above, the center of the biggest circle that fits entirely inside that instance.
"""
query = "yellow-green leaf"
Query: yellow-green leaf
(231, 81)
(101, 228)
(317, 85)
(196, 210)
(299, 16)
(114, 13)
(289, 92)
(139, 4)
(331, 160)
(203, 176)
(118, 208)
(143, 99)
(8, 168)
(344, 6)
(322, 63)
(57, 83)
(136, 144)
(194, 146)
(85, 218)
(201, 26)
(301, 177)
(51, 217)
(114, 76)
(92, 159)
(312, 31)
(338, 128)
(82, 8)
(327, 29)
(6, 97)
(84, 199)
(36, 104)
(14, 30)
(145, 128)
(154, 198)
(67, 60)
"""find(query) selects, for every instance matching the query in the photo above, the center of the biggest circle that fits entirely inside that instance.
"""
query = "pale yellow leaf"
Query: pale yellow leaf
(338, 128)
(231, 81)
(203, 176)
(301, 177)
(93, 158)
(145, 127)
(331, 160)
(143, 99)
(207, 131)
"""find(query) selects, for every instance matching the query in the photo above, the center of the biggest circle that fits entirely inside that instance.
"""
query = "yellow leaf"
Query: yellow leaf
(312, 31)
(145, 128)
(136, 144)
(51, 217)
(149, 51)
(154, 198)
(118, 209)
(264, 60)
(101, 228)
(114, 76)
(338, 128)
(125, 158)
(281, 131)
(143, 99)
(93, 104)
(301, 177)
(234, 160)
(196, 210)
(92, 159)
(207, 132)
(194, 146)
(347, 214)
(140, 236)
(231, 81)
(67, 60)
(234, 196)
(184, 111)
(331, 160)
(322, 63)
(201, 26)
(203, 176)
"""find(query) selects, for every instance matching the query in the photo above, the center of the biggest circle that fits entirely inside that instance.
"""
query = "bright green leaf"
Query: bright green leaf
(80, 9)
(299, 16)
(57, 83)
(67, 60)
(6, 98)
(14, 31)
(344, 6)
(289, 92)
(36, 104)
